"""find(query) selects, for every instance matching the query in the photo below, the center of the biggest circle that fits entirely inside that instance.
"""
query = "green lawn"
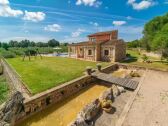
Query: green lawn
(3, 89)
(40, 75)
(157, 64)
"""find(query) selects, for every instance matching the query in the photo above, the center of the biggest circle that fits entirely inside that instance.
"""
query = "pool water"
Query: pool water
(64, 112)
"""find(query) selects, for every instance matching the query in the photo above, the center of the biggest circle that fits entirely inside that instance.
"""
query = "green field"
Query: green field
(40, 75)
(3, 89)
(156, 63)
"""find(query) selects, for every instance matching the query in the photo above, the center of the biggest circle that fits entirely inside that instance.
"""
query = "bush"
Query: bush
(1, 69)
(145, 58)
(17, 51)
(128, 55)
(8, 54)
(134, 74)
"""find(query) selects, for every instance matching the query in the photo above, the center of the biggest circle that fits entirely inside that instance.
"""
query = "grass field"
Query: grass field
(40, 75)
(157, 64)
(3, 89)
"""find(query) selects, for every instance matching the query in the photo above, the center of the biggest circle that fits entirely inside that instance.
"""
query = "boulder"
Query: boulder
(11, 109)
(115, 90)
(121, 89)
(79, 122)
(107, 95)
(107, 105)
(89, 112)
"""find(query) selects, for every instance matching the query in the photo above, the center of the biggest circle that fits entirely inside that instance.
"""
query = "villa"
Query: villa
(101, 46)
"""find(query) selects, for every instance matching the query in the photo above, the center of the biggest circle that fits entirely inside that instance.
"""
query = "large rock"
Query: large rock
(89, 112)
(116, 91)
(79, 122)
(11, 109)
(107, 95)
(121, 89)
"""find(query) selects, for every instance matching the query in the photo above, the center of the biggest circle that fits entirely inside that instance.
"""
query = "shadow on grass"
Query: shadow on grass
(164, 62)
(130, 59)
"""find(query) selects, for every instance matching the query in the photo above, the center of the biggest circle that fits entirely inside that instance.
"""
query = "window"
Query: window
(93, 39)
(106, 52)
(89, 52)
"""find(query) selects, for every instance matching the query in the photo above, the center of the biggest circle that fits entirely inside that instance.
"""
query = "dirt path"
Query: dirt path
(150, 107)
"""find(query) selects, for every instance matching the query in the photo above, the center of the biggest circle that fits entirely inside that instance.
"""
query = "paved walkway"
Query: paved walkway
(150, 107)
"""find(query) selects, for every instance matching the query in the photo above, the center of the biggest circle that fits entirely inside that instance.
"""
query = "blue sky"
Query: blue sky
(73, 20)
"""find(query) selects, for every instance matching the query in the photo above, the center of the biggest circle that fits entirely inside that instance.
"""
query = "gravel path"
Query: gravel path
(150, 107)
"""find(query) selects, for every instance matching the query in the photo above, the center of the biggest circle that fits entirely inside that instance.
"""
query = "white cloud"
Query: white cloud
(77, 33)
(34, 16)
(119, 23)
(94, 3)
(4, 2)
(94, 24)
(7, 11)
(144, 4)
(53, 28)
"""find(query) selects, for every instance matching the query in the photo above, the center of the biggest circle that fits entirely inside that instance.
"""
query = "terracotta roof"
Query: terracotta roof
(114, 42)
(86, 43)
(100, 33)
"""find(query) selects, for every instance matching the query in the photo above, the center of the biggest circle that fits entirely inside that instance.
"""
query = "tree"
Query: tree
(5, 46)
(25, 43)
(134, 44)
(13, 43)
(155, 33)
(32, 44)
(41, 44)
(53, 43)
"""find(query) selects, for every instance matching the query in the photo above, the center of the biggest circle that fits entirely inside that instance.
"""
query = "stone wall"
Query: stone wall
(90, 57)
(45, 99)
(120, 51)
(111, 56)
(110, 68)
(14, 79)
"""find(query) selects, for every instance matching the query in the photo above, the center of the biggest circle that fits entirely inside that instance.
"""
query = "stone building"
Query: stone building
(101, 46)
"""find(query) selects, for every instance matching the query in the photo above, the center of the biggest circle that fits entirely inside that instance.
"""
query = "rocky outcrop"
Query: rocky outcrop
(11, 109)
(89, 112)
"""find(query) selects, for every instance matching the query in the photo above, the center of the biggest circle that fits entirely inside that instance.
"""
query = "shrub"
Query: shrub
(1, 69)
(8, 54)
(128, 55)
(134, 74)
(17, 51)
(145, 58)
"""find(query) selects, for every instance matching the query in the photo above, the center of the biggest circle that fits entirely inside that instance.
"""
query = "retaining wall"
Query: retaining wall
(45, 99)
(14, 79)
